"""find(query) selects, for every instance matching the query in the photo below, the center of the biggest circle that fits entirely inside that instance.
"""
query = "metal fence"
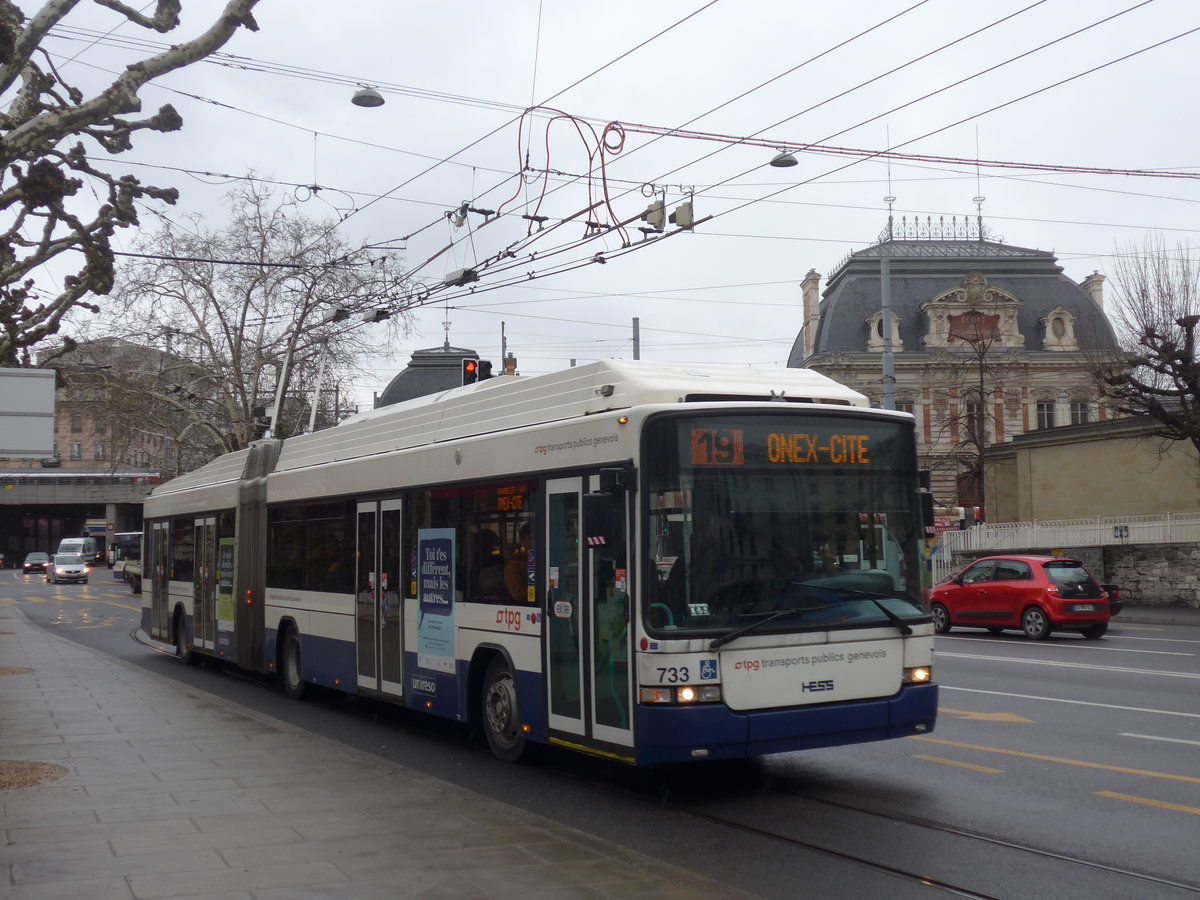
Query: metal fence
(1172, 528)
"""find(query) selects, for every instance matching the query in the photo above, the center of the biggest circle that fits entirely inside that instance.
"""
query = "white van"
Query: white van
(84, 546)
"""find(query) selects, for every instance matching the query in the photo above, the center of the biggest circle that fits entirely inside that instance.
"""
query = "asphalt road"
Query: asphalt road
(1065, 768)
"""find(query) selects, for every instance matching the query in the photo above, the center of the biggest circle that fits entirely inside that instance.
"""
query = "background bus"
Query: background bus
(124, 547)
(646, 562)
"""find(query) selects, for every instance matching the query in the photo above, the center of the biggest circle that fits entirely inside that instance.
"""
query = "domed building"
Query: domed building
(428, 372)
(988, 341)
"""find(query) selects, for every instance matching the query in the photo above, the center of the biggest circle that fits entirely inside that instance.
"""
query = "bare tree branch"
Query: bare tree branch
(1158, 312)
(40, 181)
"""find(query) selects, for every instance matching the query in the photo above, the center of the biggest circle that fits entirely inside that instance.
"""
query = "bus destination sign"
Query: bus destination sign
(728, 447)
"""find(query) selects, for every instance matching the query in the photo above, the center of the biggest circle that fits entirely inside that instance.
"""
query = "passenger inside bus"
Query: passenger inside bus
(516, 569)
(489, 565)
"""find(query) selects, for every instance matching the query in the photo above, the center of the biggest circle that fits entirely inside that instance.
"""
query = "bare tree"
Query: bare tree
(1156, 316)
(41, 176)
(251, 312)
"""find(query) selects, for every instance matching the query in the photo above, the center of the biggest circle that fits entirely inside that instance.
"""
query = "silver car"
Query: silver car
(67, 567)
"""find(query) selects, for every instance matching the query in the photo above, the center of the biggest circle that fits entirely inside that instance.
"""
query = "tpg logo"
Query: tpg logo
(814, 686)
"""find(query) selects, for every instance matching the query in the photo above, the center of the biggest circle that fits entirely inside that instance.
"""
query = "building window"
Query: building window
(1079, 412)
(76, 423)
(76, 450)
(99, 449)
(976, 425)
(905, 406)
(1045, 414)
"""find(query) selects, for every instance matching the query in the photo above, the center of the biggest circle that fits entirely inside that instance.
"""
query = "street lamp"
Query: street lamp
(367, 97)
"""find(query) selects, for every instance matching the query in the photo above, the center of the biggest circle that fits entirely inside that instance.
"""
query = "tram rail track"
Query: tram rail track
(1124, 881)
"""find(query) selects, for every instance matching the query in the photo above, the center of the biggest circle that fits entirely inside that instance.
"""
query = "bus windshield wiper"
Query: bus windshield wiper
(904, 627)
(771, 617)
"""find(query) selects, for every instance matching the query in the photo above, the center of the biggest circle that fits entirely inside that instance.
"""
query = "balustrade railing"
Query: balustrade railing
(1011, 537)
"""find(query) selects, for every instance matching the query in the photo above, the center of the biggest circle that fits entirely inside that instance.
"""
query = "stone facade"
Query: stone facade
(1155, 574)
(1113, 468)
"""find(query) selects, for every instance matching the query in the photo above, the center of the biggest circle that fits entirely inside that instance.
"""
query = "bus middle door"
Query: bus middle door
(377, 592)
(204, 585)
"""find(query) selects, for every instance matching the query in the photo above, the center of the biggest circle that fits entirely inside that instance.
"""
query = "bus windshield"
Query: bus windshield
(800, 522)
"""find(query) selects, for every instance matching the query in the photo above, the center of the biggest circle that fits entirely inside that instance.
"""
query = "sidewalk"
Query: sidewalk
(167, 793)
(1134, 613)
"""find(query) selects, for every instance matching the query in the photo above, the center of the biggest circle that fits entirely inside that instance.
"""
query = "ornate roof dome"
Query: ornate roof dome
(429, 371)
(937, 283)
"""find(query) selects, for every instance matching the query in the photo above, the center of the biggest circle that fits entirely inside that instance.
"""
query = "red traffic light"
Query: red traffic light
(470, 371)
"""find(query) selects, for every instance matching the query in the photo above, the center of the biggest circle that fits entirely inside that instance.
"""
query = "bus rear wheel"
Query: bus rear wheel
(501, 712)
(183, 652)
(292, 666)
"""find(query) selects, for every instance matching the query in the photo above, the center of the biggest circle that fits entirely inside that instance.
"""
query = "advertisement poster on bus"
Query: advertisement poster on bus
(435, 581)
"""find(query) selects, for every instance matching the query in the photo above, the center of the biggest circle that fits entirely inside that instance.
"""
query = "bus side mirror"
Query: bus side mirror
(597, 519)
(927, 518)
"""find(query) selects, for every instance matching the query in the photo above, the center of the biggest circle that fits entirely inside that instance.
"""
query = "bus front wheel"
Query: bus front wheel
(293, 666)
(501, 712)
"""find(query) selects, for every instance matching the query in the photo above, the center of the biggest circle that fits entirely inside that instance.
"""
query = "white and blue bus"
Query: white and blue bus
(647, 562)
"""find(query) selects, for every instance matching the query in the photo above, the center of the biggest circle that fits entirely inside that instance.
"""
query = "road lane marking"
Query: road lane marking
(962, 765)
(1066, 665)
(1131, 637)
(1148, 802)
(1087, 646)
(1140, 709)
(987, 717)
(1151, 737)
(1056, 759)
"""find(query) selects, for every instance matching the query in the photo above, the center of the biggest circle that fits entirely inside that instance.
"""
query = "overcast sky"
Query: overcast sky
(456, 76)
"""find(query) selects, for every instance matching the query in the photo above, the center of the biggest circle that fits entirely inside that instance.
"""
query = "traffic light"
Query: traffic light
(485, 369)
(470, 371)
(655, 215)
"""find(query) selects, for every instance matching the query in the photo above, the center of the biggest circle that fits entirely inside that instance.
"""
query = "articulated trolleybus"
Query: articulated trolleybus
(651, 563)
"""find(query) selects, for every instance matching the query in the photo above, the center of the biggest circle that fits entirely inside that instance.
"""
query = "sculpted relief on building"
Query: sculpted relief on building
(972, 313)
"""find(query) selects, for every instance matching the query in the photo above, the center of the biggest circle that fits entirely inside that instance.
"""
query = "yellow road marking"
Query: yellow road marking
(1058, 759)
(986, 717)
(1147, 802)
(961, 765)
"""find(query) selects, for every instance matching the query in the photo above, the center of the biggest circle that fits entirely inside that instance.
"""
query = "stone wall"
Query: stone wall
(1155, 574)
(1147, 574)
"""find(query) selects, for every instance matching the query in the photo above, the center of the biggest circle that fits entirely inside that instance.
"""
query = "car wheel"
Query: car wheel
(995, 629)
(1035, 624)
(501, 712)
(1095, 632)
(941, 618)
(292, 665)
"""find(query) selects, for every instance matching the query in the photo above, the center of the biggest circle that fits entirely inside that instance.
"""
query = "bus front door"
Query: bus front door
(587, 614)
(377, 597)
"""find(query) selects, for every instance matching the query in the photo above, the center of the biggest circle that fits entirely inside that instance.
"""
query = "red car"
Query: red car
(1037, 594)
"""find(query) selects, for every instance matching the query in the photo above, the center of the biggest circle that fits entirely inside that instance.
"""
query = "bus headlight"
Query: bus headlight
(684, 695)
(918, 675)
